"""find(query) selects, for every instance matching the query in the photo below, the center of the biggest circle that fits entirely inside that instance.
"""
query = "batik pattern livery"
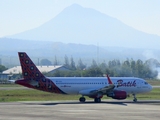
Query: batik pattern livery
(33, 78)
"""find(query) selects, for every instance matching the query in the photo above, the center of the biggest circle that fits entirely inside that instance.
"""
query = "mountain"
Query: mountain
(48, 49)
(10, 47)
(76, 24)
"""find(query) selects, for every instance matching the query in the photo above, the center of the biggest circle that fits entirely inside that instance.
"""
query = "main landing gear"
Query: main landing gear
(82, 99)
(135, 99)
(96, 100)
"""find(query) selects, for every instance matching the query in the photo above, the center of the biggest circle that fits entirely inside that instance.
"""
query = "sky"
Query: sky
(20, 15)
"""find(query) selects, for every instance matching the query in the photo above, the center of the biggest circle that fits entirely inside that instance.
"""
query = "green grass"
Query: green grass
(154, 94)
(32, 95)
(154, 82)
(10, 85)
(35, 95)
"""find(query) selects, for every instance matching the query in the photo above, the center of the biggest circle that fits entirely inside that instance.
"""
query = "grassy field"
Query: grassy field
(9, 85)
(35, 95)
(32, 95)
(153, 95)
(154, 82)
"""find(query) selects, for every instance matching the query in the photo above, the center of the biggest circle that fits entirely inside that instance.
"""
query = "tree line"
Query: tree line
(2, 68)
(115, 68)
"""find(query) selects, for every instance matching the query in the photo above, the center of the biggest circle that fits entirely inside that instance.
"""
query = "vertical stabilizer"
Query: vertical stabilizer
(29, 70)
(33, 78)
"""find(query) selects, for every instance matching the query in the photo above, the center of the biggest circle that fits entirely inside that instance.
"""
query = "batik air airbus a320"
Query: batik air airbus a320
(94, 87)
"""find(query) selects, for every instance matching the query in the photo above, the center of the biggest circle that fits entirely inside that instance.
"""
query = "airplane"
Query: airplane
(94, 87)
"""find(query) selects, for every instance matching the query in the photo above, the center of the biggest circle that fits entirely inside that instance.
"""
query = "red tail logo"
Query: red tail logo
(33, 78)
(29, 70)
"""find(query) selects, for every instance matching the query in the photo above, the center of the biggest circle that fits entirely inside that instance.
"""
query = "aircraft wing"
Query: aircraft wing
(104, 90)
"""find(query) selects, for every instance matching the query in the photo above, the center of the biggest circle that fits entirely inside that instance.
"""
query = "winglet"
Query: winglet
(109, 80)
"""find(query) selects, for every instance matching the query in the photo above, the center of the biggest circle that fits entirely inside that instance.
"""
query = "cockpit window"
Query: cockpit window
(145, 83)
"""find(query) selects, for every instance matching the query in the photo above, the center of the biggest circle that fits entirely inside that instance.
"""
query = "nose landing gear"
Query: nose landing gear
(134, 99)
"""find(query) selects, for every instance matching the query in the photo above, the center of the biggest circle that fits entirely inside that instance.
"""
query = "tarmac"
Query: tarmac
(73, 110)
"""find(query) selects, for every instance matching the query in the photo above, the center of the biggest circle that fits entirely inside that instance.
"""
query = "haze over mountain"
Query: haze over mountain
(76, 24)
(48, 49)
(81, 33)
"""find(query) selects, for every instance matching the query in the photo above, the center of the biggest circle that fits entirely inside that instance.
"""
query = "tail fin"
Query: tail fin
(33, 78)
(29, 70)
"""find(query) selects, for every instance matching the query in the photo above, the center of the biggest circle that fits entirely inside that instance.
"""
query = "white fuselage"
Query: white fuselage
(73, 85)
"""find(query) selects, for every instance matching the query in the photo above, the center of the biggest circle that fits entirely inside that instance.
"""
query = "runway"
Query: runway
(73, 110)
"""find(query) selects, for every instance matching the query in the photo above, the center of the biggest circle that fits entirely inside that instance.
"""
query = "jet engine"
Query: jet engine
(117, 94)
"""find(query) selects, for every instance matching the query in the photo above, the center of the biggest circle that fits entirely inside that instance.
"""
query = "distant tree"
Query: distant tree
(126, 70)
(153, 63)
(114, 68)
(126, 63)
(103, 66)
(150, 71)
(2, 68)
(133, 67)
(66, 62)
(139, 68)
(55, 61)
(72, 64)
(118, 63)
(109, 71)
(45, 62)
(94, 72)
(94, 64)
(113, 63)
(80, 65)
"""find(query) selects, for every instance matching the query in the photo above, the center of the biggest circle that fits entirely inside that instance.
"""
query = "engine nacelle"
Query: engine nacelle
(118, 94)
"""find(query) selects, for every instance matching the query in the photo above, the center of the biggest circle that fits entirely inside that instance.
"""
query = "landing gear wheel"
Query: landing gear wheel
(135, 99)
(97, 100)
(82, 99)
